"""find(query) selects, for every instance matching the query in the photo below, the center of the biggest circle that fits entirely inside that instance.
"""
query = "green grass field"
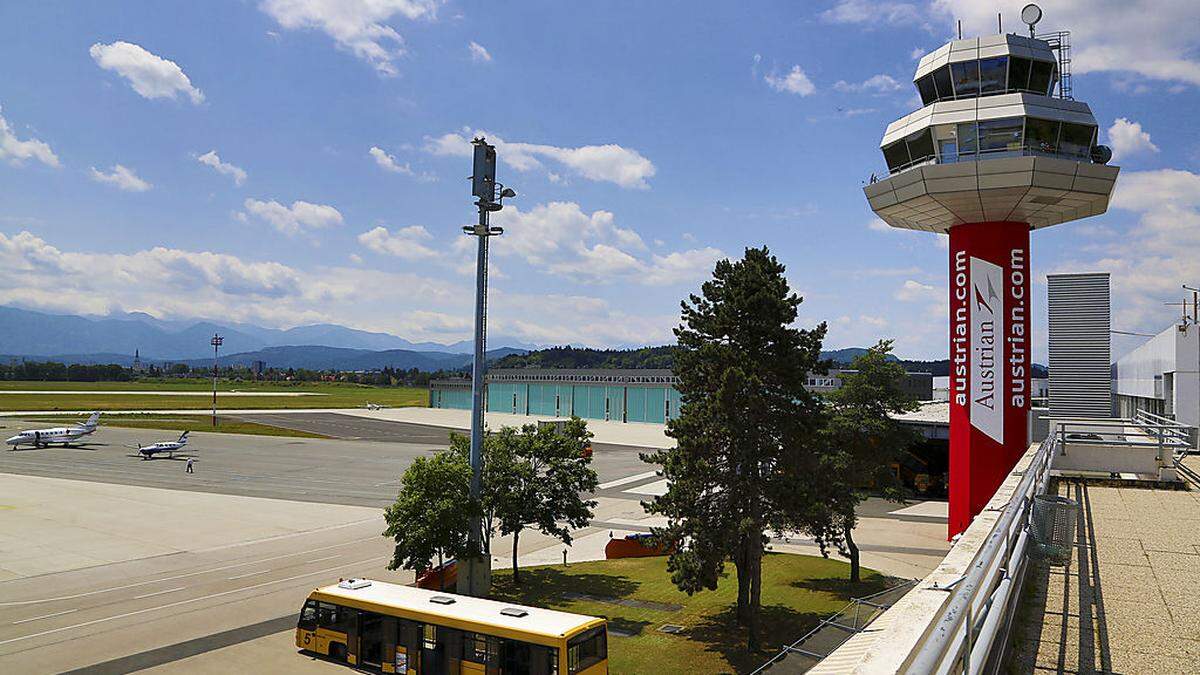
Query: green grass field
(198, 395)
(181, 423)
(798, 591)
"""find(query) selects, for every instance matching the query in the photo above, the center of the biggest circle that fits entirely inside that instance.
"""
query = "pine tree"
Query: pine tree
(742, 465)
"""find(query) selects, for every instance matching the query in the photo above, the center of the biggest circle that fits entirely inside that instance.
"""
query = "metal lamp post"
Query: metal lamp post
(490, 195)
(216, 345)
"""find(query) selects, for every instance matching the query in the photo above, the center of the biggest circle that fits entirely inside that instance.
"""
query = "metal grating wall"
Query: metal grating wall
(1080, 345)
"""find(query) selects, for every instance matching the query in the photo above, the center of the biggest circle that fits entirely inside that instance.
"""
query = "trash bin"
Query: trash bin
(1052, 528)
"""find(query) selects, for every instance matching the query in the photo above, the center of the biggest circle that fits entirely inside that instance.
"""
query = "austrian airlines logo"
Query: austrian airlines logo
(987, 349)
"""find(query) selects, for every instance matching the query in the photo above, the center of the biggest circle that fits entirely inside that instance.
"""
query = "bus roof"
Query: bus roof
(538, 621)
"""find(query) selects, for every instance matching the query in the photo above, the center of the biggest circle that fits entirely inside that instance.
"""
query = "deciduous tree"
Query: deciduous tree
(432, 513)
(862, 446)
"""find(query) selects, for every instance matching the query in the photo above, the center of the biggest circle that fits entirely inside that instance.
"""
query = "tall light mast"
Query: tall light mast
(216, 342)
(999, 148)
(475, 574)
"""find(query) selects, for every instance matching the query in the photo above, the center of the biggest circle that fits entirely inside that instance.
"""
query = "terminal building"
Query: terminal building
(633, 395)
(1162, 376)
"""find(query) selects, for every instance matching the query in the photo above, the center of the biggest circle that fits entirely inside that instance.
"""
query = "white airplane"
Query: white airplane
(169, 447)
(374, 406)
(41, 438)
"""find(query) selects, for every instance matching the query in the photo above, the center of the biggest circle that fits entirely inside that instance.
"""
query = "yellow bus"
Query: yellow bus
(409, 630)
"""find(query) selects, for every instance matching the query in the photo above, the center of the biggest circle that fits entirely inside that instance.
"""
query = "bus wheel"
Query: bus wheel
(337, 651)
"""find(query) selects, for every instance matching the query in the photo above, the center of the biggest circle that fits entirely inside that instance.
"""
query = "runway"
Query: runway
(330, 471)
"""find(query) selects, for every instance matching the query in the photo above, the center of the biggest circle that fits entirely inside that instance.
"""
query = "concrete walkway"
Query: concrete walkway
(1127, 600)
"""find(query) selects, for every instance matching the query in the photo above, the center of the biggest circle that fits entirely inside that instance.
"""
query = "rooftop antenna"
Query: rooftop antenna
(999, 23)
(960, 29)
(1030, 15)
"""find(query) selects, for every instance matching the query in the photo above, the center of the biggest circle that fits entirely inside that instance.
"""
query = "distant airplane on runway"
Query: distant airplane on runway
(169, 447)
(41, 438)
(374, 406)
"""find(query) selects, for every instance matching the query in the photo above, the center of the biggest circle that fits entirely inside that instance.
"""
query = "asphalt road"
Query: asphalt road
(127, 616)
(332, 471)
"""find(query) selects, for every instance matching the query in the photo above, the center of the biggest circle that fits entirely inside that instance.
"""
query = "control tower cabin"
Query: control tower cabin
(999, 148)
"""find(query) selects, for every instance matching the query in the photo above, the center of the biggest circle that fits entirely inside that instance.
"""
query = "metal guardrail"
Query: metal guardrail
(981, 604)
(981, 155)
(847, 622)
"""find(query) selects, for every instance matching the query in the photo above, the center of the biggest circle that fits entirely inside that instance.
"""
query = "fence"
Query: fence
(832, 632)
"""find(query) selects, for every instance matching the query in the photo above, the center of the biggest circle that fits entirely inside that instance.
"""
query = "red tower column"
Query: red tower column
(989, 361)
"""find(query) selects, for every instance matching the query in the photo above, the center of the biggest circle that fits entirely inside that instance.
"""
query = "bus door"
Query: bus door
(433, 651)
(371, 639)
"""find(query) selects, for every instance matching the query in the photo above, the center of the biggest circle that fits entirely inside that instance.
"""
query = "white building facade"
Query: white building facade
(1162, 376)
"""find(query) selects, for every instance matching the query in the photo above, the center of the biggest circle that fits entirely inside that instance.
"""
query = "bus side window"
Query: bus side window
(334, 617)
(308, 616)
(586, 650)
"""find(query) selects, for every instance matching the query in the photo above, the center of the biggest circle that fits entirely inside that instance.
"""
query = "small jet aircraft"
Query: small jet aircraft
(374, 406)
(169, 447)
(65, 436)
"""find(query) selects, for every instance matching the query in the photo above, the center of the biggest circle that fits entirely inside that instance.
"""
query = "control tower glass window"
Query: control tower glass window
(1041, 135)
(1076, 140)
(941, 80)
(1040, 77)
(993, 74)
(926, 88)
(896, 156)
(1018, 73)
(920, 146)
(966, 78)
(968, 141)
(997, 136)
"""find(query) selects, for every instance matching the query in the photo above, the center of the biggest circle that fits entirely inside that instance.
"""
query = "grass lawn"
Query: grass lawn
(181, 423)
(90, 396)
(798, 591)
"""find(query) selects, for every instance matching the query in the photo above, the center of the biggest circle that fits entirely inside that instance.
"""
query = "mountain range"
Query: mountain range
(29, 333)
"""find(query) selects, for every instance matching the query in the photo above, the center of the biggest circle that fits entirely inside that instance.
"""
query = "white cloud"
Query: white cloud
(479, 54)
(914, 290)
(150, 75)
(211, 158)
(357, 26)
(388, 162)
(560, 238)
(1152, 259)
(1127, 138)
(405, 242)
(878, 225)
(795, 82)
(868, 12)
(300, 217)
(683, 266)
(876, 84)
(1156, 39)
(122, 178)
(17, 151)
(607, 163)
(180, 284)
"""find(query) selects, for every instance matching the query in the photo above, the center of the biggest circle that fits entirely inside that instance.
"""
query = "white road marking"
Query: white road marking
(248, 574)
(626, 480)
(183, 602)
(151, 595)
(324, 559)
(45, 616)
(177, 576)
(657, 488)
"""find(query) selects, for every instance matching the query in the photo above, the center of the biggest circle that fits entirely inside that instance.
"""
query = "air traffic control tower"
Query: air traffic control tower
(1000, 148)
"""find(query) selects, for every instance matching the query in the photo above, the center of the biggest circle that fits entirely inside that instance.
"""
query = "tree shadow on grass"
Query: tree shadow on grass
(551, 587)
(842, 588)
(778, 625)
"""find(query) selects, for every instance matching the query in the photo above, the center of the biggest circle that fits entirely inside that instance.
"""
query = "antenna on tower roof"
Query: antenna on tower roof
(960, 29)
(1030, 15)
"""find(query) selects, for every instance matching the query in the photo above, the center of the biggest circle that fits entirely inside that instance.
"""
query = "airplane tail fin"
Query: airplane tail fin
(92, 421)
(183, 437)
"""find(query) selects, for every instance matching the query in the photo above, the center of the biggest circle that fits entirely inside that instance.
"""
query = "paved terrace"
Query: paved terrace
(1128, 602)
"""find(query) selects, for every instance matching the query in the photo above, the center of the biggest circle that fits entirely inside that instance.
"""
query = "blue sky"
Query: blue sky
(299, 161)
